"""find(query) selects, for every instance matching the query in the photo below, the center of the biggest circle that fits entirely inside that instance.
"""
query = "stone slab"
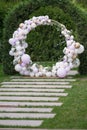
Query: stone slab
(32, 123)
(30, 90)
(73, 72)
(35, 83)
(30, 104)
(32, 94)
(26, 115)
(18, 98)
(20, 109)
(36, 86)
(43, 80)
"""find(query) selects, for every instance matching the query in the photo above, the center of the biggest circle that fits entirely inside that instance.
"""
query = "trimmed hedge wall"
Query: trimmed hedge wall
(46, 43)
(2, 15)
(4, 8)
(24, 10)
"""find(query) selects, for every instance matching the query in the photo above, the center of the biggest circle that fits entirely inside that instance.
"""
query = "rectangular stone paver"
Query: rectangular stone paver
(17, 98)
(31, 89)
(19, 109)
(34, 83)
(44, 80)
(33, 94)
(36, 86)
(32, 123)
(30, 103)
(26, 115)
(73, 72)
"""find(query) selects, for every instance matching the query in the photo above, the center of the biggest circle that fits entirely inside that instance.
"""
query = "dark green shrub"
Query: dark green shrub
(2, 15)
(46, 43)
(23, 12)
(84, 2)
(4, 8)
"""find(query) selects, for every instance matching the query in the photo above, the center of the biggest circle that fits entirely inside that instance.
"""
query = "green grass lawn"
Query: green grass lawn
(73, 112)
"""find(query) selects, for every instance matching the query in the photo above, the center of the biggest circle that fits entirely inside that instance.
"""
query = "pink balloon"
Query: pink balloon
(23, 64)
(61, 72)
(71, 47)
(67, 69)
(25, 58)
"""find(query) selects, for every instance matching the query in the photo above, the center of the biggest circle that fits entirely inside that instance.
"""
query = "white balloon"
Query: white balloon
(24, 68)
(18, 48)
(65, 64)
(18, 68)
(13, 49)
(22, 72)
(26, 72)
(76, 63)
(67, 69)
(25, 45)
(70, 59)
(54, 68)
(33, 25)
(11, 53)
(72, 37)
(25, 58)
(40, 73)
(61, 72)
(37, 75)
(20, 53)
(69, 42)
(71, 65)
(70, 55)
(35, 70)
(17, 43)
(80, 49)
(53, 74)
(48, 74)
(25, 32)
(31, 74)
(59, 64)
(54, 71)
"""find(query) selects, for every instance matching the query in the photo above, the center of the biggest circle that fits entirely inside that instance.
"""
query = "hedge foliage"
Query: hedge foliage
(47, 43)
(4, 8)
(63, 11)
(2, 15)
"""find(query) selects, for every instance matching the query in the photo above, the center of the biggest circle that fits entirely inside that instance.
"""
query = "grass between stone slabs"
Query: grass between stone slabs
(73, 113)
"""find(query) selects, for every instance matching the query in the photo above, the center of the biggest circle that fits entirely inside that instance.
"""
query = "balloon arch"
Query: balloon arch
(22, 61)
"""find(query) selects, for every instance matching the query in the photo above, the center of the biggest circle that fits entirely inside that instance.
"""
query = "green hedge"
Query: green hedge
(2, 15)
(24, 11)
(46, 43)
(4, 8)
(83, 2)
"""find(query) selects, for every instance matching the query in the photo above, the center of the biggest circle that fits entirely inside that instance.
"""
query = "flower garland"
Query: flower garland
(22, 61)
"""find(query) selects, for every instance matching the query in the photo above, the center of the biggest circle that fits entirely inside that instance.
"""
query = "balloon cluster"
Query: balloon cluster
(22, 61)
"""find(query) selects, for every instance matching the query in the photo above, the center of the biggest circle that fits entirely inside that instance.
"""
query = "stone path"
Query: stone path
(28, 102)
